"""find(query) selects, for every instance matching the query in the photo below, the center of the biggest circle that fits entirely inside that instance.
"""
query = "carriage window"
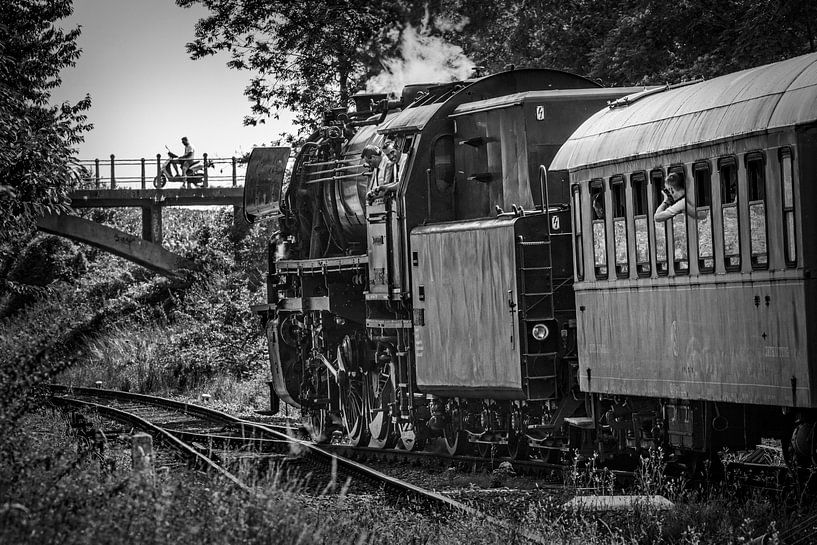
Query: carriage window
(577, 232)
(756, 176)
(620, 225)
(680, 246)
(657, 182)
(728, 170)
(638, 181)
(787, 178)
(703, 203)
(599, 229)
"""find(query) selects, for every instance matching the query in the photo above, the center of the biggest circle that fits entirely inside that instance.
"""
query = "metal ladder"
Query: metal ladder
(536, 306)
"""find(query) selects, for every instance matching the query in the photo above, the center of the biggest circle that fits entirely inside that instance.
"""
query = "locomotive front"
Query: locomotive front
(430, 295)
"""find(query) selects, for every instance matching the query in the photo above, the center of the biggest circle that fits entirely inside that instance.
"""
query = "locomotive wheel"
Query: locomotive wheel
(518, 446)
(380, 396)
(352, 410)
(456, 441)
(485, 449)
(410, 439)
(454, 438)
(317, 426)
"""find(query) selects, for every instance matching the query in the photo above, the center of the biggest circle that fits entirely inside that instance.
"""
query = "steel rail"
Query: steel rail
(162, 435)
(390, 484)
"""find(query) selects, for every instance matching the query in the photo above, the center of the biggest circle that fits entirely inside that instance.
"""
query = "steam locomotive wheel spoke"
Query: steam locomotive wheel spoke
(352, 412)
(380, 394)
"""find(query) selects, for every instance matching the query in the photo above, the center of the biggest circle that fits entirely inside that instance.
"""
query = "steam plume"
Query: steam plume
(423, 58)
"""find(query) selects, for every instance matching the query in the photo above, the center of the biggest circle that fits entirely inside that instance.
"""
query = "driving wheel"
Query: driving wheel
(379, 397)
(353, 409)
(455, 439)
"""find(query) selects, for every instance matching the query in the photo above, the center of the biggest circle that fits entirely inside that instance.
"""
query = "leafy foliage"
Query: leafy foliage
(307, 56)
(37, 140)
(626, 42)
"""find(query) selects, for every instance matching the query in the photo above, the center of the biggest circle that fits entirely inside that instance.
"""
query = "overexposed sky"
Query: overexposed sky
(146, 92)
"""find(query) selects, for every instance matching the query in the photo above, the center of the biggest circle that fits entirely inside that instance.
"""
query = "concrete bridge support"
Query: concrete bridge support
(147, 254)
(152, 223)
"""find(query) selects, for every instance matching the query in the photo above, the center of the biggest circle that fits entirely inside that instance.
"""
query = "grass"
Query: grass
(54, 488)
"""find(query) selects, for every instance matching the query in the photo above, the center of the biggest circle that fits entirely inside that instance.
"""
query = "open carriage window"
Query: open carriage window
(756, 178)
(680, 242)
(703, 203)
(599, 229)
(789, 231)
(728, 174)
(578, 242)
(620, 225)
(638, 182)
(661, 259)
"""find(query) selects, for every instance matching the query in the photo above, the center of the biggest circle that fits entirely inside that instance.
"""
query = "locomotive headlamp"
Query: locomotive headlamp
(540, 332)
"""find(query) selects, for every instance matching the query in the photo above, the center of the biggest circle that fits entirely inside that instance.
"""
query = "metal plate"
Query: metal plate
(263, 181)
(469, 344)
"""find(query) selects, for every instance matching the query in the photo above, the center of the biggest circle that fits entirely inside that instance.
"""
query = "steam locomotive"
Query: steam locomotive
(464, 290)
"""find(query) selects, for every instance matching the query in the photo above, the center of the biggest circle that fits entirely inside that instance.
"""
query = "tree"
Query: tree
(37, 164)
(307, 56)
(633, 42)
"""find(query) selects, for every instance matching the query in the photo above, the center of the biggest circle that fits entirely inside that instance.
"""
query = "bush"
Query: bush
(46, 259)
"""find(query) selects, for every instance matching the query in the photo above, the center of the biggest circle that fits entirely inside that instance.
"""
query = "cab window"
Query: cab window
(599, 229)
(638, 182)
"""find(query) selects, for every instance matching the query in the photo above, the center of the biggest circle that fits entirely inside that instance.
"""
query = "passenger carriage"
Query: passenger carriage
(701, 330)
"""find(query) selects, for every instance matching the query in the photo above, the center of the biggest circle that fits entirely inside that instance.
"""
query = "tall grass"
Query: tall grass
(54, 489)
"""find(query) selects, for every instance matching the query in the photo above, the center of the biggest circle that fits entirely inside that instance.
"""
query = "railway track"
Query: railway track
(204, 437)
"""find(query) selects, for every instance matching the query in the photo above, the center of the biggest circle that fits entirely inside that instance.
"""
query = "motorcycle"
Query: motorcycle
(192, 172)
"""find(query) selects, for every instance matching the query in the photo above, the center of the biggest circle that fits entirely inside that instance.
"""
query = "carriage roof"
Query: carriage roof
(675, 117)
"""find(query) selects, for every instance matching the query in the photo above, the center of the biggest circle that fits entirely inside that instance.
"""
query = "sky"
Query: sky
(145, 90)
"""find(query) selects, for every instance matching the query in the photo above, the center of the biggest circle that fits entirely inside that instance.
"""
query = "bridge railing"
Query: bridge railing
(116, 173)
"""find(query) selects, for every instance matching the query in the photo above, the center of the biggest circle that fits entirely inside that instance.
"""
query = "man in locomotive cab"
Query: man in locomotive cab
(384, 173)
(675, 200)
(371, 156)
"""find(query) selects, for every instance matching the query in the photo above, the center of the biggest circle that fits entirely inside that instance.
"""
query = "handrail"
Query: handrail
(128, 172)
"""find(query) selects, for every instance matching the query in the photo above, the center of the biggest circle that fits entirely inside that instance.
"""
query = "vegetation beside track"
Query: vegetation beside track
(88, 317)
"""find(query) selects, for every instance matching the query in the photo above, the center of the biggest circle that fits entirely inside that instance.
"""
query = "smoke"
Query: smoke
(423, 58)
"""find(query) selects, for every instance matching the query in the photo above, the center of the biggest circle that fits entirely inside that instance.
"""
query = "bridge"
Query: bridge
(128, 185)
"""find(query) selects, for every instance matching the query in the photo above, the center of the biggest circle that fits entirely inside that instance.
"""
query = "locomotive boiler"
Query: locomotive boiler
(430, 296)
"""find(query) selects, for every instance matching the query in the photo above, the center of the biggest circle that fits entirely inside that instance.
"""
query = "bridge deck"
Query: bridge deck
(199, 196)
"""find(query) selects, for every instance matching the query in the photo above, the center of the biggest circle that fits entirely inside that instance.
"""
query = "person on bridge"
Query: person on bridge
(185, 160)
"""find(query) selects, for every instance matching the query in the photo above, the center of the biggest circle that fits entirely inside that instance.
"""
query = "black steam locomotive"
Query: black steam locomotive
(426, 283)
